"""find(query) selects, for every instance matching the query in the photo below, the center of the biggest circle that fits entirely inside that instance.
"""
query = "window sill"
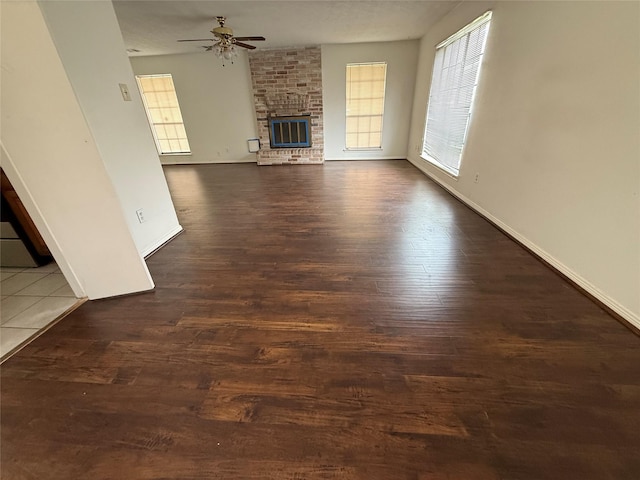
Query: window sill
(363, 149)
(185, 154)
(445, 169)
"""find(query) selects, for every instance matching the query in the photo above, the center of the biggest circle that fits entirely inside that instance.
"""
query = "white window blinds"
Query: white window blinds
(163, 112)
(365, 104)
(453, 86)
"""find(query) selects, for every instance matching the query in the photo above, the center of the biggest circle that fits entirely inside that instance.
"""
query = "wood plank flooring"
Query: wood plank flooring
(347, 321)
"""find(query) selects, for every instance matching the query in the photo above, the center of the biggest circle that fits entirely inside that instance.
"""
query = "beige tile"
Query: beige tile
(49, 268)
(19, 281)
(42, 313)
(12, 337)
(12, 269)
(45, 286)
(12, 306)
(4, 274)
(63, 292)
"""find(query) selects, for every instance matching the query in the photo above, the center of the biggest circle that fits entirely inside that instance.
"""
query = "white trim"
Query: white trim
(160, 243)
(168, 162)
(362, 149)
(366, 63)
(368, 159)
(621, 310)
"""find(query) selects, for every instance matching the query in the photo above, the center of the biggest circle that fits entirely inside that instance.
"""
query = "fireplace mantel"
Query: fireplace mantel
(287, 104)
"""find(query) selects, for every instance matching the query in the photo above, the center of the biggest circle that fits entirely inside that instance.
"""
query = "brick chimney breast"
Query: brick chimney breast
(288, 83)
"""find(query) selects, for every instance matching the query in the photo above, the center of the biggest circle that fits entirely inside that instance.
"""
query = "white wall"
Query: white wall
(52, 160)
(555, 136)
(401, 58)
(217, 101)
(216, 104)
(88, 39)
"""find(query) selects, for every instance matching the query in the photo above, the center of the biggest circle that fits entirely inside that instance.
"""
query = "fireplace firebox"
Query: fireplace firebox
(290, 132)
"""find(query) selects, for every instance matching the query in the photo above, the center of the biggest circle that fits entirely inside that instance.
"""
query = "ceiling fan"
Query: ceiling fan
(224, 39)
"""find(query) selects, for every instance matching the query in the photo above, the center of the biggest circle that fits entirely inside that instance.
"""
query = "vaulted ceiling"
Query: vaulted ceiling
(153, 27)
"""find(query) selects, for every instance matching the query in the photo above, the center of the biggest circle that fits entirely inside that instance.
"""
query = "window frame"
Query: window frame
(380, 115)
(152, 124)
(465, 32)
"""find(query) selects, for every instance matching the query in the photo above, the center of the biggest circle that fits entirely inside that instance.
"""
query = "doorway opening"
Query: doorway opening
(34, 291)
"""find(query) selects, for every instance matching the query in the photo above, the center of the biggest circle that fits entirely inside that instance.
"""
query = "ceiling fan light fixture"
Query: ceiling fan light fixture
(225, 52)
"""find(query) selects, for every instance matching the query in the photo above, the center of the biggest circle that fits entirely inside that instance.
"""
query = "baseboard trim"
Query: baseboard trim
(212, 162)
(166, 239)
(364, 159)
(618, 311)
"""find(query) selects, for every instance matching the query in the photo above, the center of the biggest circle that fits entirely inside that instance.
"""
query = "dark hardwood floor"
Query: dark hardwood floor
(347, 321)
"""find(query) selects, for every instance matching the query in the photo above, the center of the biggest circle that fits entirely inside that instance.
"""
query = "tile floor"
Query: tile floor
(32, 298)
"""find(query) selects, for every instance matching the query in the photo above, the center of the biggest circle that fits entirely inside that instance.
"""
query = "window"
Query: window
(163, 112)
(453, 86)
(365, 104)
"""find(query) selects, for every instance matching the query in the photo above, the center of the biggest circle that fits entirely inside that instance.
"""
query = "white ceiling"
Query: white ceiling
(154, 26)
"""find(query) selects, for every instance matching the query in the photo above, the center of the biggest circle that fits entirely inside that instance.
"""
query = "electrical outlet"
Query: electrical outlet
(477, 179)
(140, 215)
(124, 89)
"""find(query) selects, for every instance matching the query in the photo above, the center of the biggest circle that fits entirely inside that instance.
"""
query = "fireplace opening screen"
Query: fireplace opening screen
(290, 132)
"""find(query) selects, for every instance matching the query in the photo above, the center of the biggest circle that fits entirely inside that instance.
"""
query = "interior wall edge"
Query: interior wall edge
(55, 153)
(615, 306)
(41, 223)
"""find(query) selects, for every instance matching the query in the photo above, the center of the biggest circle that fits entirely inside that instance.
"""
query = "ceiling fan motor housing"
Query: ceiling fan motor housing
(222, 31)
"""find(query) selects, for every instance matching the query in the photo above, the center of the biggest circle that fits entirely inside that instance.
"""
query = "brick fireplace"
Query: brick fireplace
(288, 83)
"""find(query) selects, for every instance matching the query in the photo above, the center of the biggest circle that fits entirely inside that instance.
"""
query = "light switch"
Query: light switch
(125, 92)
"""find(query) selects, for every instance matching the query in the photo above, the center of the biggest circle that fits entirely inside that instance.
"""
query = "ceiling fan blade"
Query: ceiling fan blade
(197, 40)
(209, 48)
(245, 45)
(251, 39)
